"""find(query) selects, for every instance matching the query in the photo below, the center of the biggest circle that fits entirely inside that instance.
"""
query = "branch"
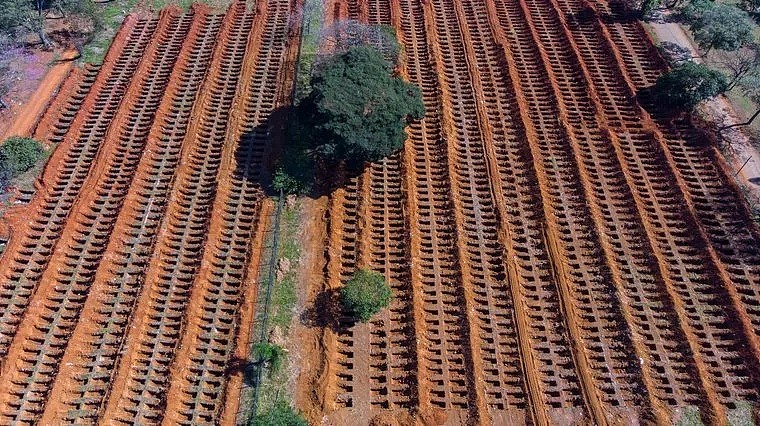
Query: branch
(747, 123)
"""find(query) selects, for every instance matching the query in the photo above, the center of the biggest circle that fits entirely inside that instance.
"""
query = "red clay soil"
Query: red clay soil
(561, 251)
(549, 241)
(162, 141)
(26, 118)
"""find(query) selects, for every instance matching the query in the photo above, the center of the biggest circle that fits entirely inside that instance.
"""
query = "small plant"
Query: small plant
(20, 154)
(281, 414)
(270, 354)
(365, 294)
(286, 183)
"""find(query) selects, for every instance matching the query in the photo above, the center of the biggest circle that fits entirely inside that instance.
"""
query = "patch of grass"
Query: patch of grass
(280, 414)
(690, 417)
(284, 297)
(110, 15)
(160, 4)
(270, 354)
(742, 415)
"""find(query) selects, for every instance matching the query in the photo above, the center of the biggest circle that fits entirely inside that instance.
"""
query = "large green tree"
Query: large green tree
(688, 84)
(358, 108)
(724, 27)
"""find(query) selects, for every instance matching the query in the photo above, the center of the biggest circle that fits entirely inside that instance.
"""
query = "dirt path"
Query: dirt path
(28, 116)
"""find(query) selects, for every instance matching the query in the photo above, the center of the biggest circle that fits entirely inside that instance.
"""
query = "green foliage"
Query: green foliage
(286, 183)
(271, 354)
(695, 9)
(20, 154)
(724, 27)
(688, 84)
(282, 414)
(647, 6)
(21, 17)
(6, 174)
(357, 109)
(365, 294)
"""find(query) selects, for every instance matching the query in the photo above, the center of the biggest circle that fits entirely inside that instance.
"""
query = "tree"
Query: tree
(647, 6)
(723, 27)
(6, 174)
(365, 294)
(5, 81)
(22, 16)
(357, 109)
(741, 64)
(270, 354)
(695, 9)
(20, 154)
(688, 84)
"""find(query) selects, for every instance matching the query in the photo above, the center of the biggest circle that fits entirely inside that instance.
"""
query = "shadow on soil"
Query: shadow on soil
(291, 154)
(326, 312)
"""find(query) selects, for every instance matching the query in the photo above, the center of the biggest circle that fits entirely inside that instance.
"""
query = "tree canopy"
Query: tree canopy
(688, 84)
(357, 109)
(722, 26)
(365, 294)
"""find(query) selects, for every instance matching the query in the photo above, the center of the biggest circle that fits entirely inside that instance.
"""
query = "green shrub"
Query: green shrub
(6, 174)
(270, 354)
(286, 183)
(20, 154)
(282, 414)
(365, 294)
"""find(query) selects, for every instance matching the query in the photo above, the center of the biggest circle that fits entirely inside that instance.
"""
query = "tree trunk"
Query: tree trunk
(734, 81)
(747, 123)
(43, 39)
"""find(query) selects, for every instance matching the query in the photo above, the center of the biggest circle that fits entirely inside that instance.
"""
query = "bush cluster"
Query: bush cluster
(365, 294)
(18, 155)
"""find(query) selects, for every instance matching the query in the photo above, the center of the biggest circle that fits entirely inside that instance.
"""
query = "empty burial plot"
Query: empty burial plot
(557, 251)
(122, 287)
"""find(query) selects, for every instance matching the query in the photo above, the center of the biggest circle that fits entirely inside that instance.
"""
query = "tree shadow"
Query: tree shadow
(326, 312)
(280, 145)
